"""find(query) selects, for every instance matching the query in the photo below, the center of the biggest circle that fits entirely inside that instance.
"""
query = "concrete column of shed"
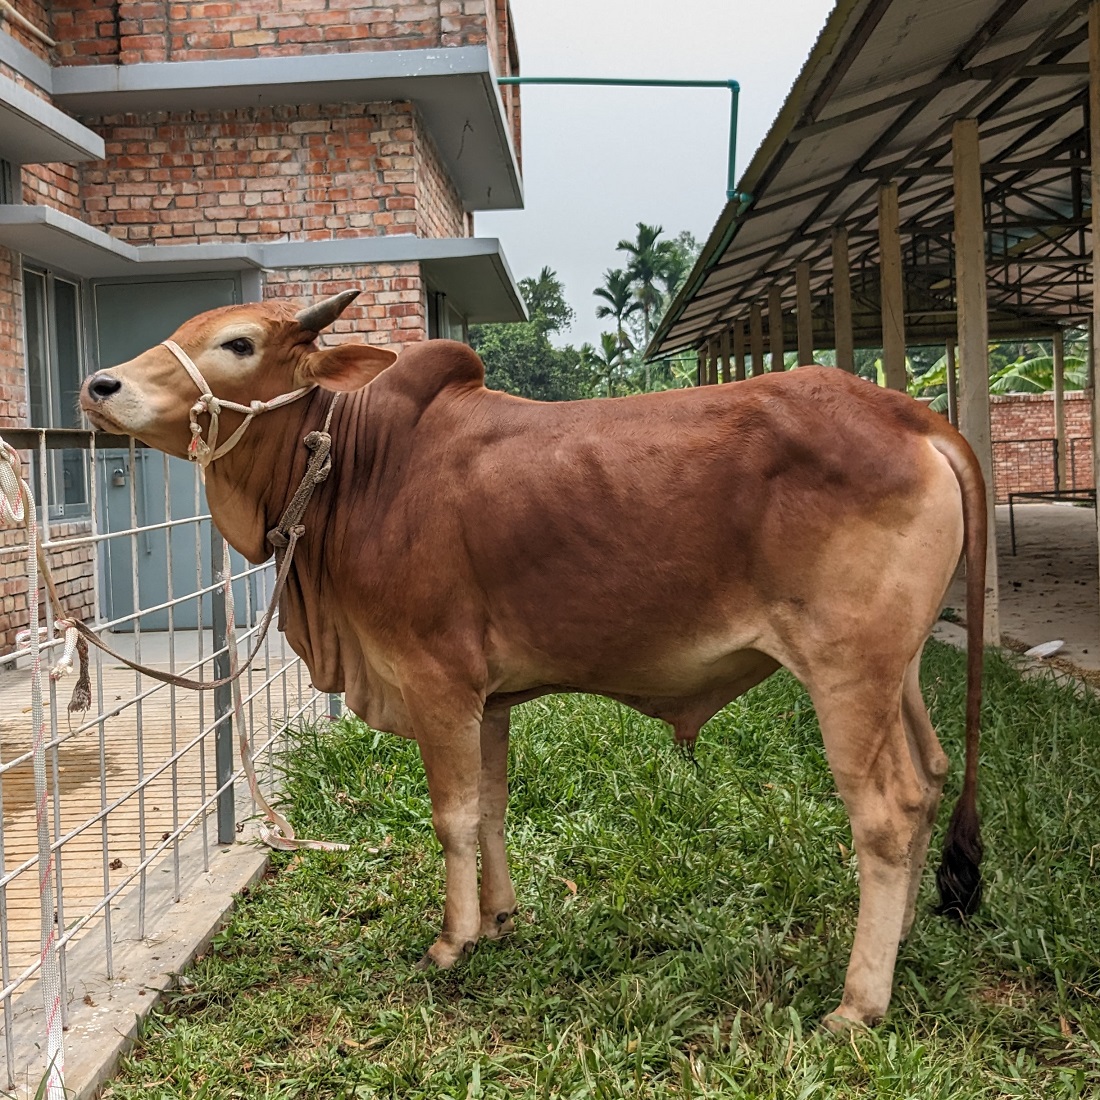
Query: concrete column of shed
(725, 376)
(1094, 146)
(804, 307)
(756, 338)
(1059, 361)
(775, 327)
(970, 283)
(739, 350)
(892, 288)
(952, 385)
(842, 302)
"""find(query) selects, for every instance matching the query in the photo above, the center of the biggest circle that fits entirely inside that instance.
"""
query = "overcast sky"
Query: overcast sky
(598, 160)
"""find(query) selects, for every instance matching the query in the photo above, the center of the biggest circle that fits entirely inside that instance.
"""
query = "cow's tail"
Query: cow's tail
(959, 875)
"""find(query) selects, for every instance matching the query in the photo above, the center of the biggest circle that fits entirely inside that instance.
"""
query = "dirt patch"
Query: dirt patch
(1051, 587)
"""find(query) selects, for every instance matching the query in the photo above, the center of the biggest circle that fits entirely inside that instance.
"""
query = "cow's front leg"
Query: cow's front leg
(498, 896)
(449, 737)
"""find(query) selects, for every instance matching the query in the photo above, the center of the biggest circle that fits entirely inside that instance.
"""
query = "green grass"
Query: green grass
(708, 932)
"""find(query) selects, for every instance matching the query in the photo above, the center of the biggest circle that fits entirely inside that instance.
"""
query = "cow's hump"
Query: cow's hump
(431, 365)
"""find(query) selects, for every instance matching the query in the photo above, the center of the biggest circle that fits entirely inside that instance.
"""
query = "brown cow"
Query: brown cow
(471, 550)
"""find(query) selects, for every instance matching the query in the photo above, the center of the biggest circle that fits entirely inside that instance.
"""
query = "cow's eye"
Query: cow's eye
(240, 346)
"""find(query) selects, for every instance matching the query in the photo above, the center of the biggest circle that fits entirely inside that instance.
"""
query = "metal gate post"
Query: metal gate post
(223, 700)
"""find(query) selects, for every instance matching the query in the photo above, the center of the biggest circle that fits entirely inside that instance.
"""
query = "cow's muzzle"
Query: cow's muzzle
(102, 385)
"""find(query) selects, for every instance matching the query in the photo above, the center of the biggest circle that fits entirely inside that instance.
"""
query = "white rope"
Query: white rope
(206, 451)
(17, 509)
(278, 832)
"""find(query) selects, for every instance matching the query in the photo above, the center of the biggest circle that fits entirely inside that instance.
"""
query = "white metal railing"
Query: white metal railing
(150, 763)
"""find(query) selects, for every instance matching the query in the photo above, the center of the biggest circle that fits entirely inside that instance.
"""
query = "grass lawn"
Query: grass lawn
(682, 927)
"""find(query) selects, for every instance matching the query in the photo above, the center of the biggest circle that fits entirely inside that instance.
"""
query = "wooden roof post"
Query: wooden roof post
(725, 377)
(893, 288)
(1059, 357)
(712, 361)
(1094, 145)
(739, 350)
(756, 338)
(842, 302)
(804, 305)
(970, 283)
(775, 327)
(952, 385)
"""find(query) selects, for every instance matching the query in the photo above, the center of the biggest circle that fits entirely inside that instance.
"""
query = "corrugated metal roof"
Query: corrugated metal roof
(875, 101)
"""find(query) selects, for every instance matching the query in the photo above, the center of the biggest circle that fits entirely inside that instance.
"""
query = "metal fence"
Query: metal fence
(150, 768)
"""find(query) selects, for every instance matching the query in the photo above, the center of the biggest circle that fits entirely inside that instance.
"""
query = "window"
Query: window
(444, 321)
(8, 180)
(55, 369)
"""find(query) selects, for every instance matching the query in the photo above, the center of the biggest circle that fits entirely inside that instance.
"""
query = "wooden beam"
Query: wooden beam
(712, 361)
(1059, 357)
(842, 302)
(970, 290)
(893, 288)
(739, 350)
(756, 338)
(804, 305)
(725, 355)
(1094, 146)
(952, 386)
(775, 327)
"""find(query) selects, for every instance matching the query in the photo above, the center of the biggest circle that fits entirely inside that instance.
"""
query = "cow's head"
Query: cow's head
(247, 353)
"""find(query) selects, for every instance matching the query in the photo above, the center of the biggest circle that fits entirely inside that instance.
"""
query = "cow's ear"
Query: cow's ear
(345, 367)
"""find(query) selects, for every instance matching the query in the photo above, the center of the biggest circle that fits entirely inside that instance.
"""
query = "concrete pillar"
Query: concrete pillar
(1058, 354)
(725, 355)
(775, 327)
(970, 282)
(804, 306)
(842, 302)
(739, 350)
(952, 386)
(756, 338)
(892, 288)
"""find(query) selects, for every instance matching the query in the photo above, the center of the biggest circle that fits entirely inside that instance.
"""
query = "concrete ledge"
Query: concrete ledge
(105, 1014)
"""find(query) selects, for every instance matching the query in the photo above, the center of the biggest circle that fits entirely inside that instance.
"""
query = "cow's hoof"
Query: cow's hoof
(494, 926)
(443, 955)
(840, 1024)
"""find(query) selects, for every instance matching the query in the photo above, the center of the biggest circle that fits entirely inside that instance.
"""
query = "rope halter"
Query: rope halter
(206, 451)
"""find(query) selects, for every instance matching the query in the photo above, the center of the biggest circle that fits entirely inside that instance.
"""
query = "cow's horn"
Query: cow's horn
(321, 314)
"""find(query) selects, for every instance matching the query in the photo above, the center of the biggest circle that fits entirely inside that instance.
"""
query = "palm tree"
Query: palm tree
(618, 292)
(647, 264)
(606, 360)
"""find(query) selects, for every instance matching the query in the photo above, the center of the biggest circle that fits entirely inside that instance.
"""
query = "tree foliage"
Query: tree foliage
(519, 357)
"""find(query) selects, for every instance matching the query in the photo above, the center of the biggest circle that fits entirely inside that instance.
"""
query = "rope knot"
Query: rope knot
(257, 407)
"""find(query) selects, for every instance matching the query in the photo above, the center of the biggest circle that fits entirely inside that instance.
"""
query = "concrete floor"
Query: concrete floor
(1049, 589)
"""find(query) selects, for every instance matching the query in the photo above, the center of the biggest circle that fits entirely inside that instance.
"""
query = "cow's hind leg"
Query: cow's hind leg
(888, 801)
(931, 764)
(498, 896)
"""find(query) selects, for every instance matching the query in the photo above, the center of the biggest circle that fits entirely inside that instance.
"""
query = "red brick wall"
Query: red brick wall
(13, 387)
(96, 32)
(72, 569)
(87, 31)
(56, 185)
(1028, 466)
(391, 308)
(37, 12)
(309, 173)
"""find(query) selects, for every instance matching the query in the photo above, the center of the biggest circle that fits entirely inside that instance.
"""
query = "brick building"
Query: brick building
(161, 157)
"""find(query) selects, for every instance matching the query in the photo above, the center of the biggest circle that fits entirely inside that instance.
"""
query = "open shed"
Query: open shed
(932, 177)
